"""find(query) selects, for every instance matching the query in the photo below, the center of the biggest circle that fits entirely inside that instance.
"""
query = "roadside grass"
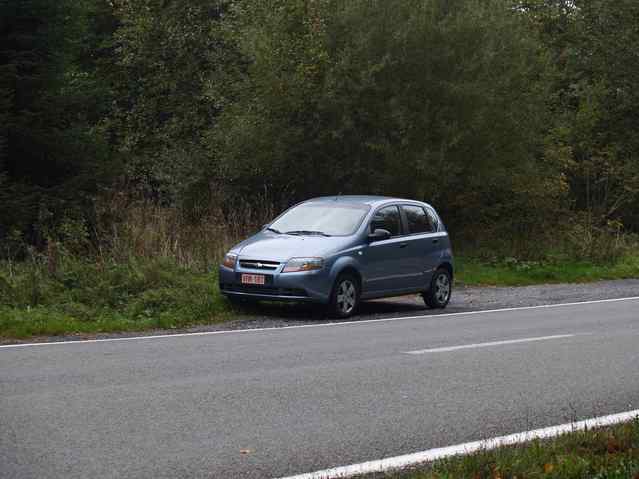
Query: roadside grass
(91, 298)
(511, 272)
(140, 293)
(607, 453)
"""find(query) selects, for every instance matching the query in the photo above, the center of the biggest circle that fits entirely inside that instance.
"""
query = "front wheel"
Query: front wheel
(345, 296)
(438, 295)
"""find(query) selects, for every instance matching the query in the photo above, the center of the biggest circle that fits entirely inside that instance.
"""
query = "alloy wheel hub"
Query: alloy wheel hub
(442, 288)
(346, 296)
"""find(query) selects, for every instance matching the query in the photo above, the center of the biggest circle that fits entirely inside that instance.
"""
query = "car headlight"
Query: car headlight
(295, 265)
(229, 260)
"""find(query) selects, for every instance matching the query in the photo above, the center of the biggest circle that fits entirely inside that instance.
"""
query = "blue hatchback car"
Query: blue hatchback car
(340, 250)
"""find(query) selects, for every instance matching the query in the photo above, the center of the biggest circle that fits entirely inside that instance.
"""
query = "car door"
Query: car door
(386, 265)
(423, 244)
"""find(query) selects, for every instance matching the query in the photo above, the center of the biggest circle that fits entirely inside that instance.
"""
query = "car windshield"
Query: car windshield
(326, 219)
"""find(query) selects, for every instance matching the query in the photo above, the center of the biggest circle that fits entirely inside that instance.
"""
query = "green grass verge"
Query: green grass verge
(90, 298)
(510, 272)
(609, 453)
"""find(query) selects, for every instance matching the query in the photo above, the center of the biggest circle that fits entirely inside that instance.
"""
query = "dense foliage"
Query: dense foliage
(513, 117)
(91, 298)
(52, 100)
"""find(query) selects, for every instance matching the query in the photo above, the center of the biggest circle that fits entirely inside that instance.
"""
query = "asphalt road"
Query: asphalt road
(268, 403)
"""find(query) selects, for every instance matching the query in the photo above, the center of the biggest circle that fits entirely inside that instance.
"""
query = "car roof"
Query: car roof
(372, 200)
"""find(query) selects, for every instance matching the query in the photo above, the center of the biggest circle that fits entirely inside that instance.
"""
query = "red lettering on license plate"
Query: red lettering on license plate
(253, 279)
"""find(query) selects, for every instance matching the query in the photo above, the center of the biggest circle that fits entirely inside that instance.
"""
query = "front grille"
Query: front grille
(258, 264)
(265, 290)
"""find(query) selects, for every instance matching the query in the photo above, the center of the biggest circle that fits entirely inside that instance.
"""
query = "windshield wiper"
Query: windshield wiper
(306, 232)
(274, 230)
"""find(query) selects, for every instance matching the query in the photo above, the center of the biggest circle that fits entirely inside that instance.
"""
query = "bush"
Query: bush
(94, 297)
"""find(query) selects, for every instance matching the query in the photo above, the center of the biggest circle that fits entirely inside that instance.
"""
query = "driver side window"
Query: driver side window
(388, 219)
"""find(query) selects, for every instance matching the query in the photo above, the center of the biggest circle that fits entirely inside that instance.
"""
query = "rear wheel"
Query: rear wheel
(345, 296)
(441, 286)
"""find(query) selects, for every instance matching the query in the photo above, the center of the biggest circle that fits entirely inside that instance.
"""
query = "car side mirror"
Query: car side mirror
(379, 234)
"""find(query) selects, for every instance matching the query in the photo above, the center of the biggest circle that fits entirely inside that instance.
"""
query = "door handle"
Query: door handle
(435, 241)
(403, 245)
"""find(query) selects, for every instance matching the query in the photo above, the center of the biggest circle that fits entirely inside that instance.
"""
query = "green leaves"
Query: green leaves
(172, 62)
(595, 104)
(513, 116)
(422, 99)
(51, 158)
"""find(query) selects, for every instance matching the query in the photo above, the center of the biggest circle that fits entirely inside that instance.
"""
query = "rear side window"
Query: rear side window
(433, 219)
(417, 219)
(387, 219)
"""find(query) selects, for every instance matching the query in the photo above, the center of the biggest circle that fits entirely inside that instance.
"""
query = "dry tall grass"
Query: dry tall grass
(143, 229)
(129, 228)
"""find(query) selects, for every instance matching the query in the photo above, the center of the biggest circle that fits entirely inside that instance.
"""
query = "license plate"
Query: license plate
(253, 279)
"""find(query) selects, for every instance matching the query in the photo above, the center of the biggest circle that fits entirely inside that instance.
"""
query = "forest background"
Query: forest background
(140, 138)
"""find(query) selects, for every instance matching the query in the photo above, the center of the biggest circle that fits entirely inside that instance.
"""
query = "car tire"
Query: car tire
(440, 290)
(345, 296)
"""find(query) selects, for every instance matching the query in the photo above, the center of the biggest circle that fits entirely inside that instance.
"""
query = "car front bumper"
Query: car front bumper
(311, 286)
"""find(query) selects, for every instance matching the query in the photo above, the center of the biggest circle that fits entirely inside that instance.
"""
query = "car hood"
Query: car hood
(271, 246)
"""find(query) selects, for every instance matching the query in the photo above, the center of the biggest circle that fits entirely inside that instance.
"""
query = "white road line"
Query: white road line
(401, 462)
(489, 344)
(302, 326)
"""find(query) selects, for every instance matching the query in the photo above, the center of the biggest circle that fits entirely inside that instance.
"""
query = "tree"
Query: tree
(441, 100)
(172, 65)
(595, 103)
(50, 158)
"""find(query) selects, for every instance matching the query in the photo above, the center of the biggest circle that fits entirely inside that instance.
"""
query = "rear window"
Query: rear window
(433, 219)
(417, 219)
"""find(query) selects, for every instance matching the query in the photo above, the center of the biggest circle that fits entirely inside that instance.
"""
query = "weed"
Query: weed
(609, 453)
(513, 272)
(90, 298)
